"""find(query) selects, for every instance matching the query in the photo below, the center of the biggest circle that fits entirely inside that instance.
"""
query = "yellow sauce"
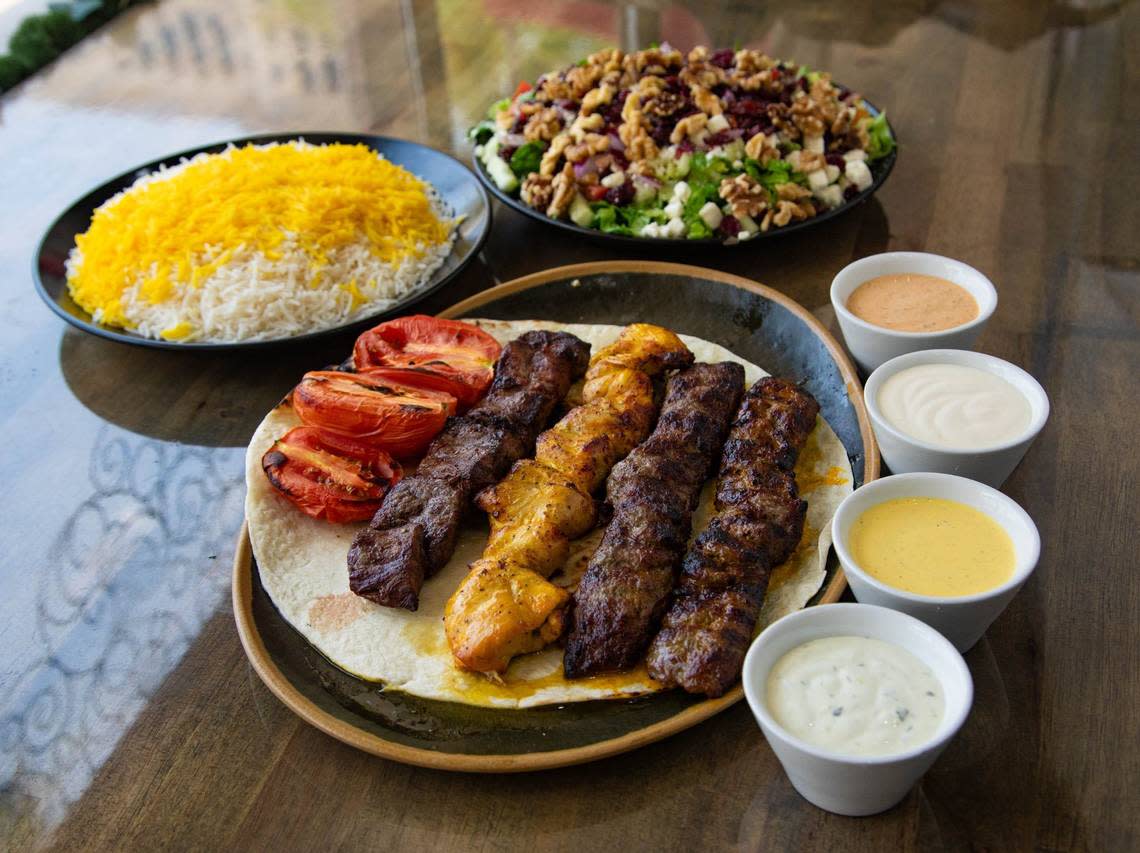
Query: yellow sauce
(932, 546)
(910, 302)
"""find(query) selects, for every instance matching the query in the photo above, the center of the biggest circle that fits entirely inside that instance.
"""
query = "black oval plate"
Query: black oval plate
(754, 322)
(880, 170)
(458, 188)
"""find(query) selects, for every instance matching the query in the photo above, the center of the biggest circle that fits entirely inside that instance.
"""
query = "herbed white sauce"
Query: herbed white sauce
(855, 696)
(954, 406)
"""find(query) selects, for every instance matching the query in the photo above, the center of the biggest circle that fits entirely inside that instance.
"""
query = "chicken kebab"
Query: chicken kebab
(506, 606)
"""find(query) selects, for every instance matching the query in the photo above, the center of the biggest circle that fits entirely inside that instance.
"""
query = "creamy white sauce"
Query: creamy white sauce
(855, 696)
(954, 406)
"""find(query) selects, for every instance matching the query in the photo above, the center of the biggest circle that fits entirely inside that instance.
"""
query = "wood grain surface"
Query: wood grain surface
(130, 719)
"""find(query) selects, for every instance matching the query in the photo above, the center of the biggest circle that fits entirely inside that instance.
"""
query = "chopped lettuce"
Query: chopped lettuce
(608, 218)
(701, 193)
(527, 158)
(776, 172)
(628, 219)
(881, 143)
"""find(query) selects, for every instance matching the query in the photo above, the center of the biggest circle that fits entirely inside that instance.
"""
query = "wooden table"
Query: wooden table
(129, 717)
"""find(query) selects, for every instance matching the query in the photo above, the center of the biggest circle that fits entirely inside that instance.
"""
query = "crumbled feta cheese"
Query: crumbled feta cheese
(682, 191)
(813, 143)
(855, 154)
(817, 180)
(717, 124)
(674, 208)
(675, 229)
(651, 229)
(711, 215)
(831, 196)
(832, 173)
(858, 173)
(793, 160)
(738, 164)
(614, 179)
(747, 224)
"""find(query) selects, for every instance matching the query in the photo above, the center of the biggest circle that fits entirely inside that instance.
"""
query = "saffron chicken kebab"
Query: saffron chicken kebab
(758, 521)
(506, 606)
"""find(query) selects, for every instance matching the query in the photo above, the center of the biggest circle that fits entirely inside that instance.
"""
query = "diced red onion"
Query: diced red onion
(513, 140)
(586, 167)
(615, 143)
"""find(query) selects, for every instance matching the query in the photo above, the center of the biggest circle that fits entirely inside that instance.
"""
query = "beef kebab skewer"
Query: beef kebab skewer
(413, 533)
(653, 492)
(758, 521)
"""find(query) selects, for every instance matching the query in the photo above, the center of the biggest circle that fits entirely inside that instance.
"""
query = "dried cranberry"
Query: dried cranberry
(722, 138)
(723, 58)
(683, 147)
(565, 103)
(835, 160)
(805, 86)
(851, 192)
(729, 226)
(506, 151)
(660, 130)
(620, 161)
(672, 83)
(620, 195)
(519, 124)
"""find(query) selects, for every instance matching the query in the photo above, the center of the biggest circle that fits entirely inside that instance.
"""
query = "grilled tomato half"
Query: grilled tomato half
(394, 416)
(329, 476)
(459, 356)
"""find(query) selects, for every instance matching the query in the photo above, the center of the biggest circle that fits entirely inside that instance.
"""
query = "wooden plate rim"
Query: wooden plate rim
(345, 732)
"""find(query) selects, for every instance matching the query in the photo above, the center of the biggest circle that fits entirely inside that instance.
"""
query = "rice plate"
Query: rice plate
(260, 242)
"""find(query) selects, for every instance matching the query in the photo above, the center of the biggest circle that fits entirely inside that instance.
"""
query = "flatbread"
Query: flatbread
(303, 568)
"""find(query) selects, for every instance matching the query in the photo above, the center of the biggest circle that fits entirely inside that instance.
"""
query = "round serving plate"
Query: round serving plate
(462, 194)
(880, 170)
(754, 321)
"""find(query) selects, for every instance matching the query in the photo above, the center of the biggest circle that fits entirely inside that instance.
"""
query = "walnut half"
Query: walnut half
(537, 191)
(744, 195)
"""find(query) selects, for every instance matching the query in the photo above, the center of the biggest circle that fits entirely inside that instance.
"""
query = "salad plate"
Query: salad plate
(716, 147)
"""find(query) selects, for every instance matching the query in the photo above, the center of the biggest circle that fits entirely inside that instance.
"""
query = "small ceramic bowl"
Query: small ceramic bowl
(871, 345)
(990, 465)
(856, 784)
(963, 618)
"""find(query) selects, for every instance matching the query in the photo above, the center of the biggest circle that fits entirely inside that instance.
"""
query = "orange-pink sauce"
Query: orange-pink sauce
(911, 302)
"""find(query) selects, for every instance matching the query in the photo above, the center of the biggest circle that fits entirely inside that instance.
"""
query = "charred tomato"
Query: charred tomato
(329, 476)
(394, 416)
(462, 354)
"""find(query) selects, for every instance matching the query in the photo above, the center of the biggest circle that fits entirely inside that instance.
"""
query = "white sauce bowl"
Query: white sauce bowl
(856, 784)
(872, 345)
(990, 465)
(962, 618)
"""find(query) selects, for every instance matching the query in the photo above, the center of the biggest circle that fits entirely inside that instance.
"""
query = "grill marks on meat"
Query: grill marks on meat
(653, 492)
(413, 533)
(758, 522)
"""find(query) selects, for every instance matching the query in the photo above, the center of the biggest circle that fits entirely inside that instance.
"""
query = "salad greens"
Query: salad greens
(527, 158)
(882, 143)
